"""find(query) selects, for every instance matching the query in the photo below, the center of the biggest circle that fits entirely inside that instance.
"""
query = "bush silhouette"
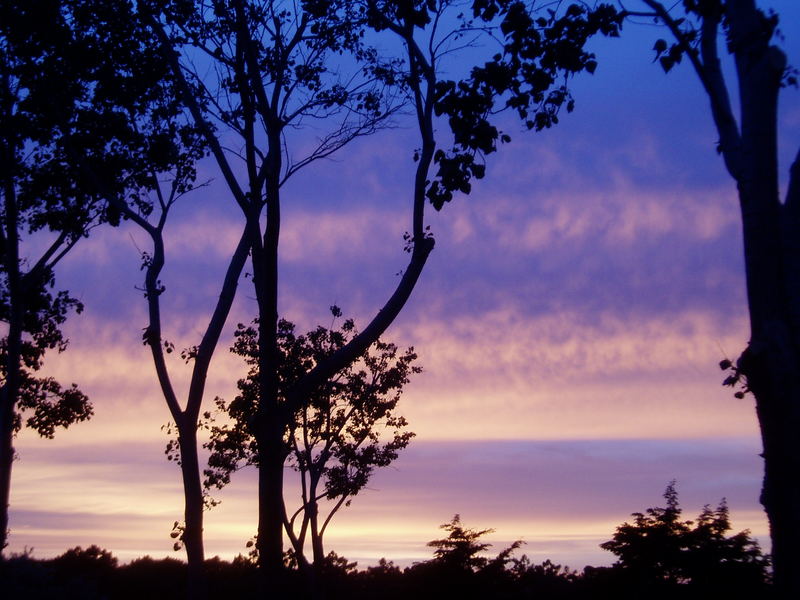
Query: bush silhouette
(659, 549)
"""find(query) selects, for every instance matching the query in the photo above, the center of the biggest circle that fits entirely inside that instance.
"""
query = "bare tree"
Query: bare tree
(770, 365)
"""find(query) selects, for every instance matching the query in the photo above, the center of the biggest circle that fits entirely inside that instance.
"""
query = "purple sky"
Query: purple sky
(569, 321)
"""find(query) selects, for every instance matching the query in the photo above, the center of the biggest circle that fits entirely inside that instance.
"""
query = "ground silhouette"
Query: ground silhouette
(689, 559)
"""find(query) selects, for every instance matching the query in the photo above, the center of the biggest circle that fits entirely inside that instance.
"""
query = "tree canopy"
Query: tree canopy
(337, 438)
(75, 87)
(660, 547)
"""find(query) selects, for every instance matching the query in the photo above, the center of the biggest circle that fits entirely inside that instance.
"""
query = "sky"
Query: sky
(569, 322)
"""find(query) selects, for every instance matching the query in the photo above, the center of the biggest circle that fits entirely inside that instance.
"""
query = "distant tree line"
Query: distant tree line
(660, 555)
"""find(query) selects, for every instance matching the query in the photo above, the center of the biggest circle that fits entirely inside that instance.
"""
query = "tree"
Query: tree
(460, 550)
(135, 157)
(100, 154)
(770, 365)
(278, 64)
(460, 568)
(185, 417)
(48, 97)
(276, 70)
(659, 548)
(336, 440)
(439, 174)
(168, 177)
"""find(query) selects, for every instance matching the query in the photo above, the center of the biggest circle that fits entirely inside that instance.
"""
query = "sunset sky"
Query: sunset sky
(569, 322)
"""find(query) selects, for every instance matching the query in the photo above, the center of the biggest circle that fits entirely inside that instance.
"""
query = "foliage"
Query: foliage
(87, 119)
(458, 570)
(252, 74)
(42, 403)
(93, 557)
(688, 33)
(736, 378)
(461, 548)
(661, 547)
(338, 437)
(461, 568)
(539, 50)
(273, 66)
(748, 143)
(277, 67)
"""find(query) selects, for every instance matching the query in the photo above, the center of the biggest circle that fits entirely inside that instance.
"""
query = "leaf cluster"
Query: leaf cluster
(735, 377)
(344, 430)
(461, 548)
(91, 113)
(44, 400)
(539, 52)
(88, 119)
(688, 32)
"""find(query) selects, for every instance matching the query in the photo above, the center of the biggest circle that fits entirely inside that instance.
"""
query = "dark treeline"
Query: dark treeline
(94, 573)
(659, 555)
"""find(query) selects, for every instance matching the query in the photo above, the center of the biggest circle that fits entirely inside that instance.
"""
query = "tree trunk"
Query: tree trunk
(6, 462)
(270, 505)
(771, 367)
(318, 551)
(316, 571)
(10, 390)
(193, 512)
(771, 362)
(8, 398)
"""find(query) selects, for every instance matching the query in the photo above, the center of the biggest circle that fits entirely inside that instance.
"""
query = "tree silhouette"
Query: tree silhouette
(439, 174)
(461, 549)
(101, 153)
(135, 156)
(52, 100)
(658, 547)
(337, 438)
(770, 365)
(278, 65)
(166, 181)
(252, 71)
(460, 569)
(274, 66)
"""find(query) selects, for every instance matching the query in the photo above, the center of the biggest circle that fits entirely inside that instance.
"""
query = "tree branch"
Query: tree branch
(707, 67)
(211, 337)
(197, 114)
